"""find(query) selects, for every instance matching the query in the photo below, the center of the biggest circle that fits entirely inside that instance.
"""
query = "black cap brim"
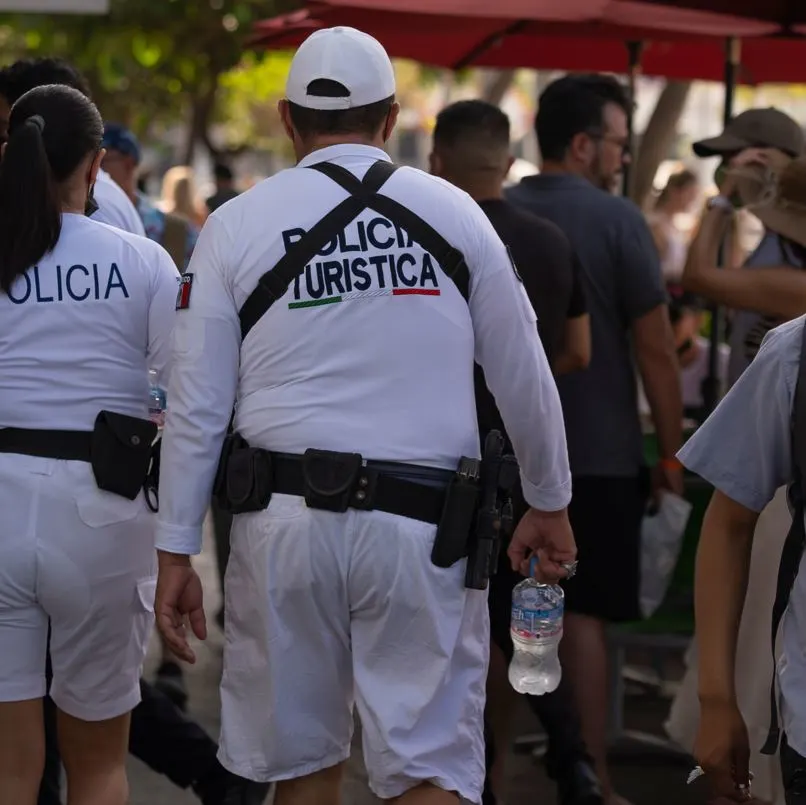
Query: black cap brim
(719, 146)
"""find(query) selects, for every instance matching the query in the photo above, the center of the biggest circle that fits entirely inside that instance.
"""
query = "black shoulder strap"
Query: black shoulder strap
(363, 194)
(795, 539)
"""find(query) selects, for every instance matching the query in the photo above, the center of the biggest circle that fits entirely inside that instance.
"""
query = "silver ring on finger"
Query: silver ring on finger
(570, 568)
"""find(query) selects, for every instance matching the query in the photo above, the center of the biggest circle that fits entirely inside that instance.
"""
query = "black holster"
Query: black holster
(120, 453)
(459, 513)
(477, 513)
(243, 481)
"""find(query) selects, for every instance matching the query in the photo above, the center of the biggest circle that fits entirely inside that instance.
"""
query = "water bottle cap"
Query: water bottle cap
(533, 565)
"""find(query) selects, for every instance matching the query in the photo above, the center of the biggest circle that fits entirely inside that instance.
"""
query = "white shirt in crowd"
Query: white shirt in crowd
(371, 350)
(114, 206)
(81, 328)
(744, 450)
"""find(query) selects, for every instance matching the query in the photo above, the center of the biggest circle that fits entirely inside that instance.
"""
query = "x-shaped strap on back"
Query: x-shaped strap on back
(363, 195)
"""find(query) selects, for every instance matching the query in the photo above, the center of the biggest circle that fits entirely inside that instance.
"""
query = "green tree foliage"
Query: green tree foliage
(152, 63)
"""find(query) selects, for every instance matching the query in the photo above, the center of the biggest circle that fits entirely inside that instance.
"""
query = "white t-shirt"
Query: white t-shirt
(79, 331)
(114, 206)
(370, 351)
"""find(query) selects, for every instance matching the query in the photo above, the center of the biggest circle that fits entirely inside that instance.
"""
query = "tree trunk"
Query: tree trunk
(496, 85)
(657, 139)
(202, 106)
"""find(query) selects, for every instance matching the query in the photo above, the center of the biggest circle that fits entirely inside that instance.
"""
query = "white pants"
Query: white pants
(85, 560)
(328, 610)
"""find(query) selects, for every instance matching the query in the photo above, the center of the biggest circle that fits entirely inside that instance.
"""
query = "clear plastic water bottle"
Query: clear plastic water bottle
(157, 399)
(537, 628)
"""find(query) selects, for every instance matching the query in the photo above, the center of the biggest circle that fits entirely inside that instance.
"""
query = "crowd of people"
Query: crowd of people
(333, 601)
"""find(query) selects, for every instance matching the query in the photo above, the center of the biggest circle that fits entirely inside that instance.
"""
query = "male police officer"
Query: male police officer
(383, 287)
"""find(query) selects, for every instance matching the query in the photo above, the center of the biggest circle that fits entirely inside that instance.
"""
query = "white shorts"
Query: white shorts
(328, 610)
(84, 559)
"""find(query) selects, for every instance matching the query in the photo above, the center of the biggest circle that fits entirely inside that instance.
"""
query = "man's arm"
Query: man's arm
(511, 354)
(201, 395)
(656, 357)
(517, 372)
(723, 553)
(643, 296)
(576, 353)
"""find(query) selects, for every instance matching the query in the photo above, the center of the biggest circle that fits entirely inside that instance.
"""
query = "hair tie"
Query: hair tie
(37, 121)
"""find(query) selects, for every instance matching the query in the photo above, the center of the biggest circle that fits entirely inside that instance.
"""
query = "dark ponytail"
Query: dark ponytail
(52, 130)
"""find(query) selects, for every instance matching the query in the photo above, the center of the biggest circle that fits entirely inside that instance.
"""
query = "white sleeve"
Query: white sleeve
(115, 207)
(162, 314)
(201, 394)
(511, 354)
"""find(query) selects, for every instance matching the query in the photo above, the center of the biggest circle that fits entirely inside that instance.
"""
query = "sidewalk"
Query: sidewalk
(644, 782)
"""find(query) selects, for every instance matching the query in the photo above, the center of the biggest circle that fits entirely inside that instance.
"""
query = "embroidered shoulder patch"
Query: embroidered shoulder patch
(185, 287)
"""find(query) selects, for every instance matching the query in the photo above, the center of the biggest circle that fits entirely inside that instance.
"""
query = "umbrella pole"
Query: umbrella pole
(634, 50)
(710, 386)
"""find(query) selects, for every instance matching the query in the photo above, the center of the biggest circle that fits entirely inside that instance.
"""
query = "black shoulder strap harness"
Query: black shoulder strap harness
(363, 195)
(795, 539)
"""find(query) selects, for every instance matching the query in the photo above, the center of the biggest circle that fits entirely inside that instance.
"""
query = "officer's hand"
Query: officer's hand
(179, 600)
(549, 535)
(722, 750)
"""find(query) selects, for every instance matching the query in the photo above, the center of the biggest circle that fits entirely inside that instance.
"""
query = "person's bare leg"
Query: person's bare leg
(94, 757)
(320, 788)
(427, 794)
(501, 700)
(583, 652)
(22, 751)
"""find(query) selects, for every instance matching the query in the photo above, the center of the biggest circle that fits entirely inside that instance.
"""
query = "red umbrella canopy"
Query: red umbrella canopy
(690, 16)
(790, 15)
(445, 41)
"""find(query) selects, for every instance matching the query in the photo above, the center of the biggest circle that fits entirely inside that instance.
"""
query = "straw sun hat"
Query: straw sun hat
(777, 197)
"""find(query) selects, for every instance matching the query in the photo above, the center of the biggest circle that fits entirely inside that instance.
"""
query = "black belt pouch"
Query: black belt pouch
(120, 452)
(244, 478)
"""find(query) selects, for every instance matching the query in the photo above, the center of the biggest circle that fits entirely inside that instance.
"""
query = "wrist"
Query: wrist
(717, 699)
(545, 514)
(166, 558)
(670, 464)
(720, 202)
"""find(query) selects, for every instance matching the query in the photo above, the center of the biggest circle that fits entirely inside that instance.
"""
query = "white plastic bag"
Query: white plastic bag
(661, 540)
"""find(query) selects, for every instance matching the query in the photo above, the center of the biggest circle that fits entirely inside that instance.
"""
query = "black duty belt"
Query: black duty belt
(66, 445)
(373, 488)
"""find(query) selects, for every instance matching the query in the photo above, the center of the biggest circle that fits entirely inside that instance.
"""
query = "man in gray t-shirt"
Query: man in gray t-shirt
(583, 135)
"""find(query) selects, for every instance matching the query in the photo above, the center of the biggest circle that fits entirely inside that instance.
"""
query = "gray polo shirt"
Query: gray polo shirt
(623, 282)
(743, 449)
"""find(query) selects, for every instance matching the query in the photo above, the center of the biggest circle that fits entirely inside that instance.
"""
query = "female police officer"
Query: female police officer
(85, 309)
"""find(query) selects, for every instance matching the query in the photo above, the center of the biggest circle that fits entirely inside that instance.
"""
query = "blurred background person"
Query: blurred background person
(583, 136)
(677, 198)
(175, 233)
(180, 197)
(224, 187)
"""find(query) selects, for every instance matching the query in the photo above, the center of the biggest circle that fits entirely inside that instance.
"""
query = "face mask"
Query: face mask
(91, 206)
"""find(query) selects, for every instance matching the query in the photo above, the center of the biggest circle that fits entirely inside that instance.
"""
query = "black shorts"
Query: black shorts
(606, 515)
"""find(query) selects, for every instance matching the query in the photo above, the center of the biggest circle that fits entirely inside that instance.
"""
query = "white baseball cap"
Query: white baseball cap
(347, 56)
